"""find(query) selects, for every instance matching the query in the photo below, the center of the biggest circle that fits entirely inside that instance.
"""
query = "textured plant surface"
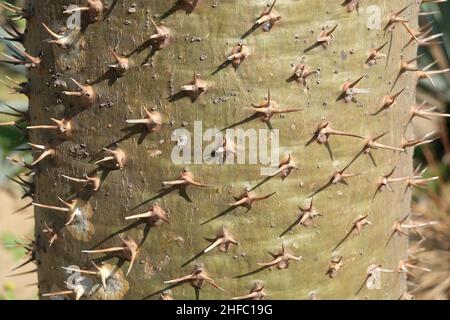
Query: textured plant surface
(328, 242)
(432, 203)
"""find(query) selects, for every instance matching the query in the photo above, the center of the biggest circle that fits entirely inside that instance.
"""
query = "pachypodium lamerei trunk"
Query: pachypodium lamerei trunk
(115, 92)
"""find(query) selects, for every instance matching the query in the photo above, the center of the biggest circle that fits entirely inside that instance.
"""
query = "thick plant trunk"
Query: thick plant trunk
(200, 42)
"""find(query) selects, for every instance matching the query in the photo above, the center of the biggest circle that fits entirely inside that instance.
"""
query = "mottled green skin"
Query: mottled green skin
(268, 67)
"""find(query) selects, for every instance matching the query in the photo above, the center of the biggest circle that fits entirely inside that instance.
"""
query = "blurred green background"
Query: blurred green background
(431, 203)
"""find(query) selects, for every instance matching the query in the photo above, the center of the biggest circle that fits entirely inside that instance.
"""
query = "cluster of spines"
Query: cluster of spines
(117, 159)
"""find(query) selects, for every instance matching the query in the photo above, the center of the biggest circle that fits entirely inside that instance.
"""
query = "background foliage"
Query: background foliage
(431, 203)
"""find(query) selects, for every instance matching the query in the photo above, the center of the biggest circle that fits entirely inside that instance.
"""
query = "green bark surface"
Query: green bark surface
(219, 27)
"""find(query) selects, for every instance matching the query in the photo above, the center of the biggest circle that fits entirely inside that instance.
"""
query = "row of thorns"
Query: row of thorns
(265, 110)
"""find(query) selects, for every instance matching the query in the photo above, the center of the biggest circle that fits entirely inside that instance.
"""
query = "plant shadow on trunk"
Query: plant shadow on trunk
(163, 192)
(341, 241)
(232, 208)
(181, 95)
(111, 275)
(111, 8)
(109, 256)
(262, 182)
(252, 29)
(78, 191)
(148, 44)
(222, 66)
(226, 211)
(111, 76)
(291, 226)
